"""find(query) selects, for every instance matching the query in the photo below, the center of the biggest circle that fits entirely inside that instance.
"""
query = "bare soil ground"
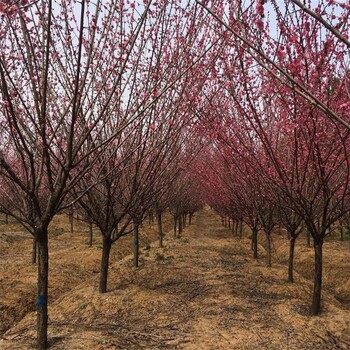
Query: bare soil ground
(202, 291)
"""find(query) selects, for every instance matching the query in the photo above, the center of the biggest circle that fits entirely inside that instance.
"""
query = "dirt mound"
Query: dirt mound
(336, 262)
(203, 291)
(72, 262)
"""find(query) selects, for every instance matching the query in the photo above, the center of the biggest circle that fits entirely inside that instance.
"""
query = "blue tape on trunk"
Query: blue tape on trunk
(136, 242)
(41, 301)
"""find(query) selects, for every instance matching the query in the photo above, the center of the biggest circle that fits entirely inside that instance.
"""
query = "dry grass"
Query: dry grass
(203, 291)
(336, 262)
(72, 262)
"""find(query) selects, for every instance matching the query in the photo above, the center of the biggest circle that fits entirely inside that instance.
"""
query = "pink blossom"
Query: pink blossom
(260, 9)
(281, 54)
(259, 23)
(3, 7)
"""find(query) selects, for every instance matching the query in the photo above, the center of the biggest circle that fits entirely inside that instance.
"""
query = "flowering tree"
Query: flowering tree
(62, 71)
(287, 117)
(78, 80)
(184, 198)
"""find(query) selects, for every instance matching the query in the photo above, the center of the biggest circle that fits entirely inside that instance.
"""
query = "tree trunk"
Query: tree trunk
(34, 251)
(115, 232)
(175, 226)
(160, 229)
(136, 245)
(229, 223)
(236, 228)
(291, 259)
(43, 278)
(180, 225)
(316, 298)
(190, 219)
(71, 221)
(268, 249)
(308, 239)
(240, 229)
(106, 249)
(255, 243)
(90, 234)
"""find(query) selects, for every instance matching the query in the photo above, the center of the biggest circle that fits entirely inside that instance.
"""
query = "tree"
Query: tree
(252, 37)
(299, 151)
(184, 197)
(292, 222)
(60, 69)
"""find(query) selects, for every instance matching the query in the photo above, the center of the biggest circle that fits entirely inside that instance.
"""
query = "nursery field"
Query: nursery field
(201, 291)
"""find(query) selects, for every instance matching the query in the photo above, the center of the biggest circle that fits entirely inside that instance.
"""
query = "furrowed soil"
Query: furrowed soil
(201, 291)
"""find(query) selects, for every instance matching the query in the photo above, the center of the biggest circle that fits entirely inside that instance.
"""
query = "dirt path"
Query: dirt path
(202, 291)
